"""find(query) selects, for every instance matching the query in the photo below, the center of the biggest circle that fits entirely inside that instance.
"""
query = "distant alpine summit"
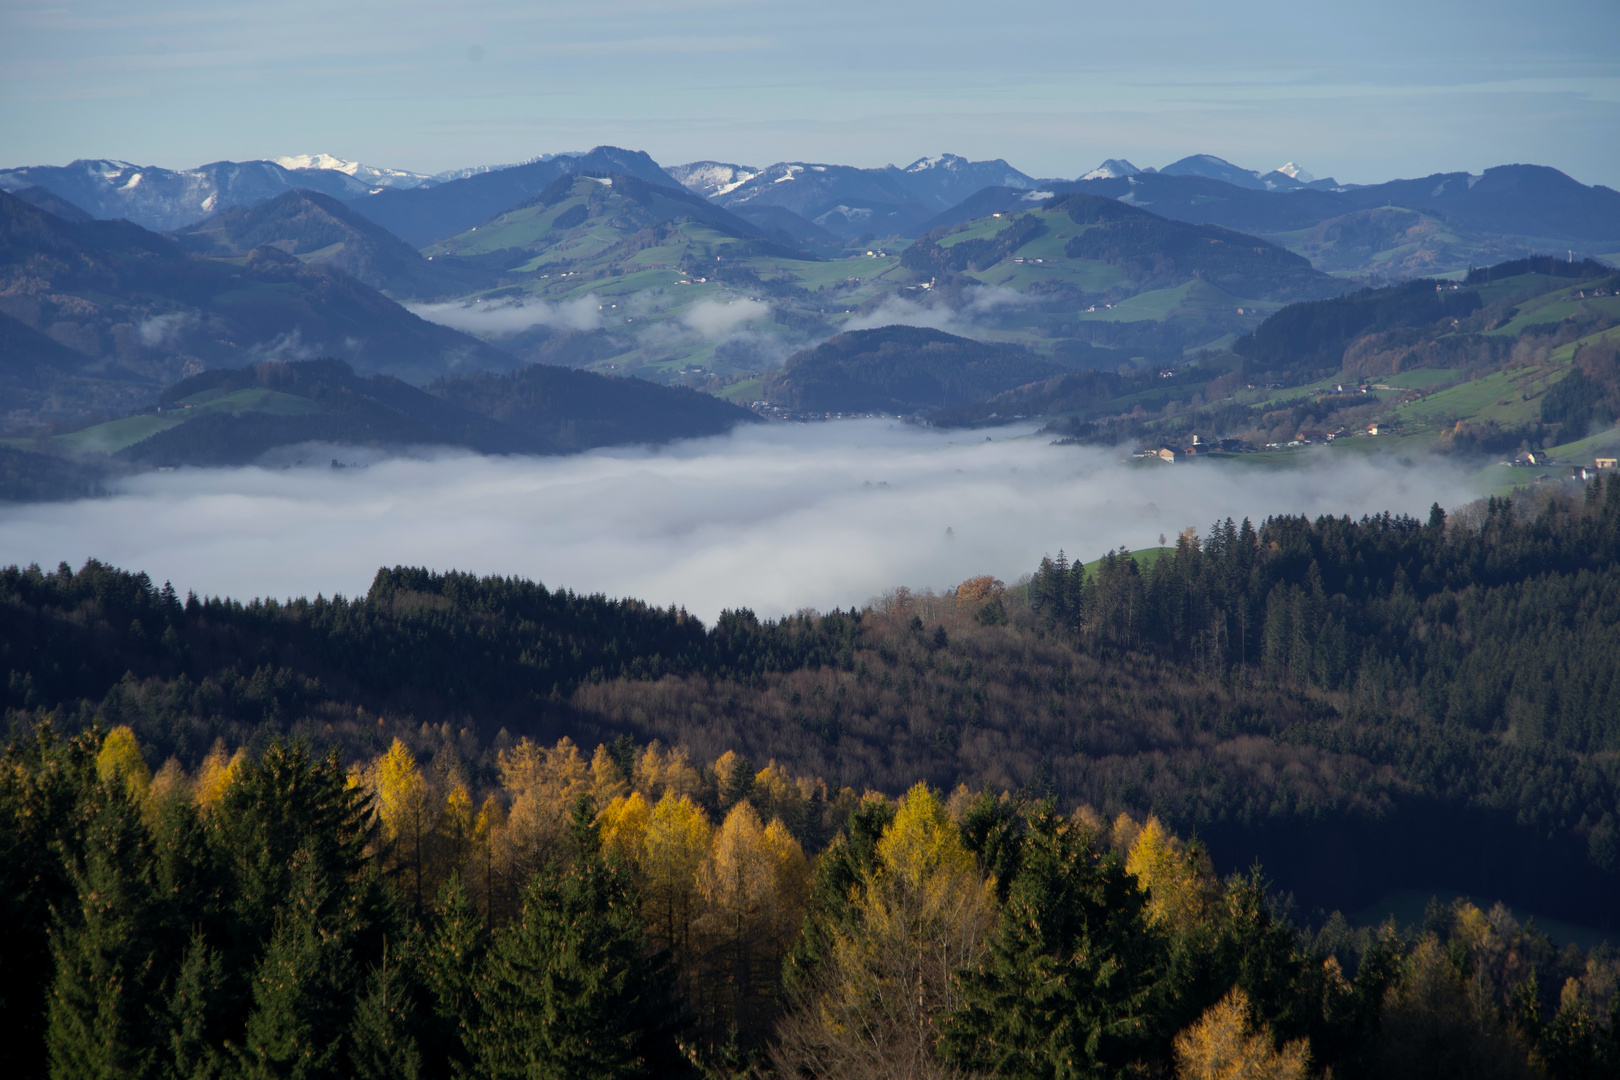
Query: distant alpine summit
(369, 175)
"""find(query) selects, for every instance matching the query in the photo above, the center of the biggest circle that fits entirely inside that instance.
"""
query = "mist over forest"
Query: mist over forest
(744, 541)
(773, 518)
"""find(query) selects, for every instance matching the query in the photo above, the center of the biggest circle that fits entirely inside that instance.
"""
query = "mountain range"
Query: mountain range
(1462, 219)
(708, 274)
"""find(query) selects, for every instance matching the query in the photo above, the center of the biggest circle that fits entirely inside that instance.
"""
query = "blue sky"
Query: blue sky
(1362, 91)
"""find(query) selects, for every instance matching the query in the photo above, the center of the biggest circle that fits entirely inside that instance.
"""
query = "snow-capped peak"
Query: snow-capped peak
(317, 161)
(1294, 172)
(712, 178)
(1112, 169)
(369, 174)
(939, 161)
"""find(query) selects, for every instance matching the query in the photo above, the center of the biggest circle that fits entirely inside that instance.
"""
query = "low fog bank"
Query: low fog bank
(773, 517)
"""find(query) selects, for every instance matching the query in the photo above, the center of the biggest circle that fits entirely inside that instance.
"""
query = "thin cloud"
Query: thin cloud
(714, 319)
(583, 313)
(935, 314)
(773, 517)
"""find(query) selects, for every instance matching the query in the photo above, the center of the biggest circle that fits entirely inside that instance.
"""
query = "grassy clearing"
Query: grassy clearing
(1507, 397)
(979, 230)
(747, 390)
(1418, 378)
(1581, 452)
(1556, 308)
(115, 435)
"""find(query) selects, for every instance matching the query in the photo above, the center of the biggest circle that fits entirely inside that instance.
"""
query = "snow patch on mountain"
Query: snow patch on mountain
(712, 179)
(1294, 172)
(1112, 169)
(370, 175)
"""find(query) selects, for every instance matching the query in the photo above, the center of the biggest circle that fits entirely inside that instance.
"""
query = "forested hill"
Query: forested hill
(434, 898)
(1364, 676)
(901, 369)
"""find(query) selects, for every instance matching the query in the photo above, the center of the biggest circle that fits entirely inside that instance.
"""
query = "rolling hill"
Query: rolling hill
(235, 416)
(322, 231)
(1461, 219)
(127, 311)
(1082, 281)
(1520, 357)
(900, 369)
(425, 214)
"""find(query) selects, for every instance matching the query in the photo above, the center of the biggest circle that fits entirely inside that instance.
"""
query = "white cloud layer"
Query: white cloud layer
(582, 313)
(716, 319)
(773, 517)
(935, 314)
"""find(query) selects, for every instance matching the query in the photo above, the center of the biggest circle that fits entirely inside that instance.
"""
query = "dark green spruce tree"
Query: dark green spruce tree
(572, 991)
(382, 1042)
(41, 777)
(450, 963)
(1068, 987)
(305, 988)
(109, 970)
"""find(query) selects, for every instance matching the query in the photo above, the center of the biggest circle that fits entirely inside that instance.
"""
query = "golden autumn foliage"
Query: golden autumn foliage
(541, 783)
(1224, 1045)
(752, 881)
(1179, 881)
(658, 772)
(623, 823)
(978, 590)
(120, 762)
(731, 775)
(922, 843)
(214, 776)
(888, 977)
(674, 844)
(607, 780)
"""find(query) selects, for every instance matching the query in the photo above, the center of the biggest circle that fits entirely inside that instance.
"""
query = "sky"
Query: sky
(773, 517)
(1363, 91)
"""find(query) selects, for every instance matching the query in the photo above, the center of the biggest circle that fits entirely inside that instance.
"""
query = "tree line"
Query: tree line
(285, 914)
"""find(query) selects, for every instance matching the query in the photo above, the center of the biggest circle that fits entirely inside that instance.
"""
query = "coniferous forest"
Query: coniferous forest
(475, 827)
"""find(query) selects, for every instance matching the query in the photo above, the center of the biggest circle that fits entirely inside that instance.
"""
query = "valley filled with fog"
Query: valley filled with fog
(773, 517)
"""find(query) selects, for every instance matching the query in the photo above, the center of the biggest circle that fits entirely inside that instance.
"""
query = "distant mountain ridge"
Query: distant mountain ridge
(117, 310)
(325, 231)
(425, 214)
(163, 199)
(848, 201)
(370, 175)
(1531, 201)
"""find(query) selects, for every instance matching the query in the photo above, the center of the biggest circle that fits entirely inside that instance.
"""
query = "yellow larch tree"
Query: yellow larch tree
(748, 914)
(673, 847)
(658, 772)
(541, 785)
(215, 775)
(1223, 1044)
(486, 870)
(1179, 881)
(120, 763)
(887, 977)
(733, 779)
(408, 812)
(169, 784)
(607, 780)
(779, 795)
(623, 824)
